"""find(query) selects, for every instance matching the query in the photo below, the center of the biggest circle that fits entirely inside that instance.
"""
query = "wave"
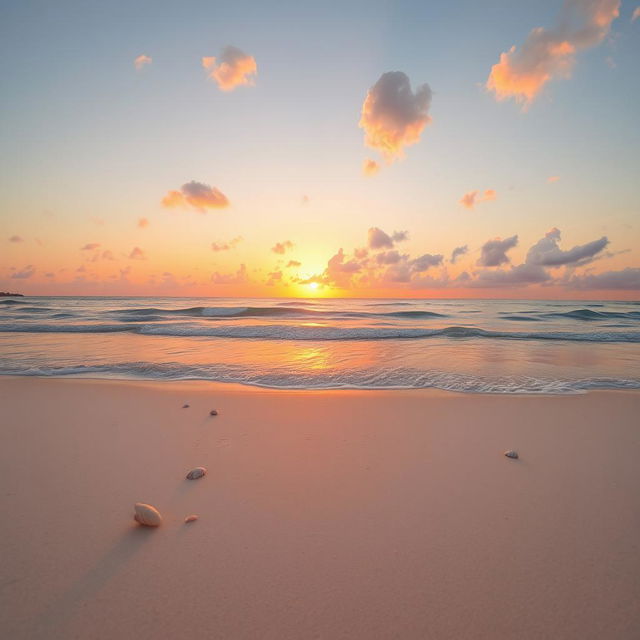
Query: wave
(587, 314)
(258, 312)
(320, 333)
(378, 378)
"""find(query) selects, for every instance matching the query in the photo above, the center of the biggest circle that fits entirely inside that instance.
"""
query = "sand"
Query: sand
(348, 514)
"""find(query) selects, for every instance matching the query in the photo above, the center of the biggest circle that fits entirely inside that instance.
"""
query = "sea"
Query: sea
(473, 346)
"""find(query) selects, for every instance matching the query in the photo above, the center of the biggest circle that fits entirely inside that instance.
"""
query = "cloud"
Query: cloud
(305, 200)
(90, 246)
(522, 274)
(394, 117)
(226, 246)
(425, 262)
(388, 257)
(231, 278)
(370, 167)
(549, 54)
(142, 61)
(626, 279)
(546, 251)
(107, 255)
(400, 236)
(25, 273)
(553, 178)
(282, 247)
(293, 263)
(196, 196)
(378, 239)
(233, 69)
(471, 198)
(274, 277)
(494, 252)
(636, 14)
(142, 223)
(16, 239)
(137, 254)
(457, 252)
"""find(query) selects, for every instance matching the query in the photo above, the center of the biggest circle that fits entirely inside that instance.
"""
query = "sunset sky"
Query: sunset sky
(401, 149)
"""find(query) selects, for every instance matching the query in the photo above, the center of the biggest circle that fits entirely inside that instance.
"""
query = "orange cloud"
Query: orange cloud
(553, 178)
(142, 223)
(141, 61)
(197, 196)
(90, 247)
(282, 247)
(394, 117)
(226, 246)
(470, 199)
(549, 54)
(137, 254)
(238, 277)
(234, 69)
(16, 239)
(370, 167)
(636, 14)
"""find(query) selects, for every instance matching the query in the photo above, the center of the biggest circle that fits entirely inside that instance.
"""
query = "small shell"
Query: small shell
(196, 473)
(213, 412)
(191, 518)
(147, 515)
(511, 454)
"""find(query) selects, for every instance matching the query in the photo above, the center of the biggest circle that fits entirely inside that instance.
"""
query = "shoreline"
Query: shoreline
(324, 514)
(247, 386)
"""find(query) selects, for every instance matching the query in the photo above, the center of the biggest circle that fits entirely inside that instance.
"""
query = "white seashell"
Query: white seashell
(511, 454)
(147, 515)
(191, 518)
(196, 473)
(213, 412)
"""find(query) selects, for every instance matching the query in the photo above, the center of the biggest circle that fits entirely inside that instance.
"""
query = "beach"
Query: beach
(324, 514)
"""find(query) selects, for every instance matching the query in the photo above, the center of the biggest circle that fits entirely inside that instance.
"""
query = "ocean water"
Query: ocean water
(482, 346)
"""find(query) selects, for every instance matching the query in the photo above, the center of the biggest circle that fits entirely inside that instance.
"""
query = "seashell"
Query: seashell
(185, 406)
(147, 515)
(196, 473)
(213, 412)
(511, 454)
(191, 518)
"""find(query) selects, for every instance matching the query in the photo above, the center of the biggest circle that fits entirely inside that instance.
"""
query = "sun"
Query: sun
(313, 286)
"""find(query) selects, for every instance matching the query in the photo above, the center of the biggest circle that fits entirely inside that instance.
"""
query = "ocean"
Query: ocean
(480, 346)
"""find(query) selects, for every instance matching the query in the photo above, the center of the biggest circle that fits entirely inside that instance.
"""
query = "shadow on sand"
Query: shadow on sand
(50, 622)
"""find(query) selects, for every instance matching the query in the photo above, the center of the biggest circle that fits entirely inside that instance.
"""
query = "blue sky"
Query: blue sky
(90, 145)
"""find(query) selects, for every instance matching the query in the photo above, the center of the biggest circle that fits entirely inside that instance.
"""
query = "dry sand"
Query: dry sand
(324, 514)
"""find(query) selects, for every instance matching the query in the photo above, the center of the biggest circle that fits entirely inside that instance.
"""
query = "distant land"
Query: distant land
(6, 294)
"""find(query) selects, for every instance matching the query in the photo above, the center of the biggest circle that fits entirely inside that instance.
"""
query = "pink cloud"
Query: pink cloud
(142, 61)
(470, 199)
(16, 239)
(90, 247)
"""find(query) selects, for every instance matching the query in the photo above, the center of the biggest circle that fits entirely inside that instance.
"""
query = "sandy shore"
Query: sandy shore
(323, 515)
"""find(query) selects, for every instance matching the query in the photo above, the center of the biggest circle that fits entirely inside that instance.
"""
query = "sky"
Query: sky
(361, 149)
